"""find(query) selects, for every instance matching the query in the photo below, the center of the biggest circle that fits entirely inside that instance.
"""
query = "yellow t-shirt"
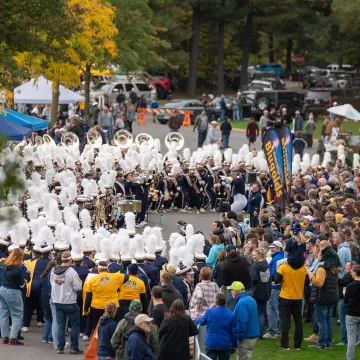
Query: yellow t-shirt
(132, 289)
(104, 288)
(293, 282)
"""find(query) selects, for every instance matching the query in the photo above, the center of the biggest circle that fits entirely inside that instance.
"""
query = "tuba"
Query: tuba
(70, 141)
(176, 138)
(48, 140)
(94, 139)
(123, 139)
(39, 141)
(144, 138)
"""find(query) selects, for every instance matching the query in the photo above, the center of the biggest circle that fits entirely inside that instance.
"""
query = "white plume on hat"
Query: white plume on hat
(176, 240)
(20, 232)
(72, 192)
(55, 215)
(186, 154)
(341, 153)
(248, 158)
(189, 231)
(356, 162)
(228, 154)
(196, 244)
(150, 244)
(85, 219)
(160, 242)
(315, 160)
(137, 246)
(305, 164)
(32, 210)
(46, 235)
(217, 158)
(63, 199)
(124, 242)
(130, 222)
(296, 164)
(326, 159)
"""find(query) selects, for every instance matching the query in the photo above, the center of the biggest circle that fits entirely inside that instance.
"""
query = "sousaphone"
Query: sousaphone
(144, 138)
(70, 141)
(123, 139)
(94, 139)
(48, 140)
(174, 138)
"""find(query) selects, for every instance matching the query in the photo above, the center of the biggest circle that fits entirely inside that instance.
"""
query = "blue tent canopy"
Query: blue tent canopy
(27, 121)
(12, 131)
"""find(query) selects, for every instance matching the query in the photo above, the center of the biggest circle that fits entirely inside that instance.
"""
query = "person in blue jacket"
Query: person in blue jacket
(254, 202)
(299, 144)
(222, 332)
(246, 314)
(217, 246)
(137, 346)
(106, 330)
(277, 253)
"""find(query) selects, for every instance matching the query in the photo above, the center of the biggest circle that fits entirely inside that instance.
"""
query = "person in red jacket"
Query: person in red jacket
(252, 132)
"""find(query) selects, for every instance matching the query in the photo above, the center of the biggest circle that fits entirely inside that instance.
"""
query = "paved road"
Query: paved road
(237, 138)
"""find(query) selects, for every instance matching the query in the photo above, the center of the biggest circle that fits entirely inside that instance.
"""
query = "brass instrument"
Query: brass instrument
(38, 141)
(48, 140)
(172, 138)
(123, 139)
(94, 139)
(144, 138)
(70, 141)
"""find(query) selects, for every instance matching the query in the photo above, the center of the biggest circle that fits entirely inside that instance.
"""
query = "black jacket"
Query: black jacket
(174, 338)
(352, 298)
(343, 283)
(169, 295)
(225, 128)
(13, 277)
(105, 332)
(328, 294)
(261, 280)
(236, 268)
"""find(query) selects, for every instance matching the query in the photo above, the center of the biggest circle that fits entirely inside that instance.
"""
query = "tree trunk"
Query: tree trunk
(221, 34)
(340, 61)
(55, 104)
(246, 48)
(87, 77)
(288, 55)
(194, 52)
(271, 48)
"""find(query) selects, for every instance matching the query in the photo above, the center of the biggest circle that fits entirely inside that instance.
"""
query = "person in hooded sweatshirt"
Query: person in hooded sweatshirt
(106, 330)
(261, 280)
(170, 294)
(11, 300)
(137, 346)
(119, 338)
(65, 283)
(310, 128)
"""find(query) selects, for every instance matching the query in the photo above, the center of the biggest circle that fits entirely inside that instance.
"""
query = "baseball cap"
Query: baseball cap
(276, 244)
(285, 220)
(312, 240)
(309, 217)
(318, 220)
(230, 248)
(308, 235)
(136, 305)
(142, 318)
(236, 285)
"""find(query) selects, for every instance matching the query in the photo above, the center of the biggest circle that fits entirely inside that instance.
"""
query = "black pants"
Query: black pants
(32, 303)
(309, 140)
(286, 309)
(122, 309)
(95, 315)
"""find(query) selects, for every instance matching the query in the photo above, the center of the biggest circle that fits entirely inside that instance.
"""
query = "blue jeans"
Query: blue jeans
(11, 304)
(342, 315)
(222, 114)
(236, 115)
(54, 325)
(173, 130)
(109, 133)
(47, 333)
(273, 312)
(261, 305)
(225, 140)
(324, 317)
(201, 138)
(218, 354)
(71, 311)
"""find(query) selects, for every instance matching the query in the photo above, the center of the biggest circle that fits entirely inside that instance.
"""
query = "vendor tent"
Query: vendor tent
(12, 131)
(346, 111)
(40, 92)
(30, 122)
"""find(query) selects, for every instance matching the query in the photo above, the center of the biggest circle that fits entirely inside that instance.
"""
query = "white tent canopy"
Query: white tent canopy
(346, 111)
(40, 92)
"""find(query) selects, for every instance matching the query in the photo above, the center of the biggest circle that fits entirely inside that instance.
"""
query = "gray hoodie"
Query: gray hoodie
(65, 283)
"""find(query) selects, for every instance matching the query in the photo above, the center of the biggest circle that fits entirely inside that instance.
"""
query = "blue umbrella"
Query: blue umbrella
(12, 131)
(27, 121)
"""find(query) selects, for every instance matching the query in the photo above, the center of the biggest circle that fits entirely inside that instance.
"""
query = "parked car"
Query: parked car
(247, 99)
(274, 84)
(264, 100)
(215, 105)
(193, 105)
(272, 67)
(345, 67)
(108, 91)
(319, 100)
(164, 82)
(316, 78)
(341, 80)
(298, 75)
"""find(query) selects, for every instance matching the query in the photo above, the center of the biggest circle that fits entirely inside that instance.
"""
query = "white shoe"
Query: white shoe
(212, 210)
(85, 338)
(24, 329)
(138, 225)
(269, 336)
(66, 345)
(143, 223)
(81, 334)
(202, 210)
(40, 324)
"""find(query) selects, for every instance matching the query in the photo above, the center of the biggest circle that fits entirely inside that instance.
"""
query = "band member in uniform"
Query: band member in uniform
(238, 192)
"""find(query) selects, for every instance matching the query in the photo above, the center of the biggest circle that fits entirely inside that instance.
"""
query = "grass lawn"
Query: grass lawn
(349, 125)
(266, 349)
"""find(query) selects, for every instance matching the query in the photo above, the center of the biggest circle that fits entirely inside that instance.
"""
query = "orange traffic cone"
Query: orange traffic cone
(187, 119)
(91, 353)
(141, 118)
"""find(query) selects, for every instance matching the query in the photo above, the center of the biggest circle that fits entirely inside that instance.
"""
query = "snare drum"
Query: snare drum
(137, 206)
(125, 206)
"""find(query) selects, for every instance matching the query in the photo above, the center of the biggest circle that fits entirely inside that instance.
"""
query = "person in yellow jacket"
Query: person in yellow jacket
(102, 289)
(132, 289)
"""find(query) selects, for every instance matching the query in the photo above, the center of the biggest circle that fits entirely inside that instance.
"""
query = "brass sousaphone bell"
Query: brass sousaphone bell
(176, 138)
(123, 139)
(70, 141)
(48, 140)
(94, 139)
(144, 138)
